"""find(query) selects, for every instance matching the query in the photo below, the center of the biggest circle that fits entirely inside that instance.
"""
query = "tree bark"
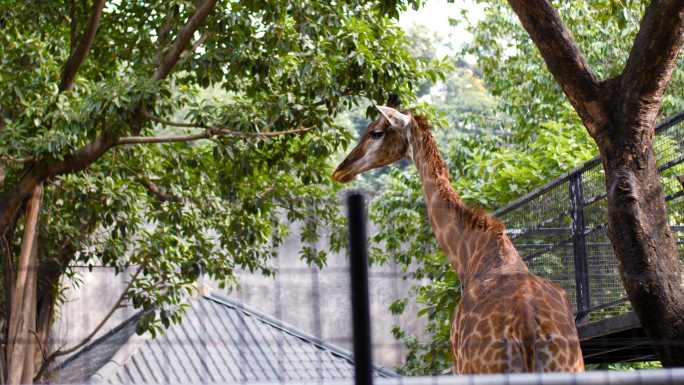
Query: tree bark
(78, 56)
(22, 299)
(49, 273)
(3, 170)
(30, 312)
(620, 114)
(646, 250)
(174, 53)
(117, 305)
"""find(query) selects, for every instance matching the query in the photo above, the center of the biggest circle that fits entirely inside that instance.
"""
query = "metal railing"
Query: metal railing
(559, 229)
(640, 377)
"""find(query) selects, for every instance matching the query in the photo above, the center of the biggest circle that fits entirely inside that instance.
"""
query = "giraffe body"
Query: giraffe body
(508, 319)
(514, 323)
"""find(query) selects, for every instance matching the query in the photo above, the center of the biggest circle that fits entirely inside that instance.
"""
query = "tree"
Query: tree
(95, 169)
(514, 70)
(620, 113)
(448, 97)
(546, 139)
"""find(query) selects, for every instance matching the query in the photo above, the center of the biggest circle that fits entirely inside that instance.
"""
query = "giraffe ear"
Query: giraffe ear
(395, 117)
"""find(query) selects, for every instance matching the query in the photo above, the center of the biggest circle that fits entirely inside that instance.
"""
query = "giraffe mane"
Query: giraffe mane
(477, 218)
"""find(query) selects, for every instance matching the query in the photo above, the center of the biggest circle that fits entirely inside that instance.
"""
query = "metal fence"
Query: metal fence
(560, 228)
(641, 377)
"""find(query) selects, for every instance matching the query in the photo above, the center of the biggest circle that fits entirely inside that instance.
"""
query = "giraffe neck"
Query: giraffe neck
(474, 244)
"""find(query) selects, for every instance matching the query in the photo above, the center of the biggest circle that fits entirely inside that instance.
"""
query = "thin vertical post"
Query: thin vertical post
(358, 259)
(579, 247)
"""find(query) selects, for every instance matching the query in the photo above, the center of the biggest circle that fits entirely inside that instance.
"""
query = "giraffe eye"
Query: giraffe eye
(376, 134)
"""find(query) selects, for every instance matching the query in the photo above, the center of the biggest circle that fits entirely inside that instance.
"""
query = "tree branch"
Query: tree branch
(3, 171)
(154, 189)
(562, 56)
(40, 345)
(116, 306)
(76, 161)
(89, 153)
(84, 156)
(345, 93)
(162, 139)
(182, 40)
(72, 25)
(23, 304)
(29, 366)
(30, 232)
(8, 286)
(162, 36)
(199, 42)
(217, 130)
(654, 54)
(9, 277)
(3, 361)
(164, 197)
(17, 160)
(78, 56)
(173, 55)
(222, 131)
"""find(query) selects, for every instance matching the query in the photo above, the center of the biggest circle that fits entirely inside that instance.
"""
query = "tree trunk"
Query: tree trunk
(639, 231)
(3, 170)
(49, 273)
(620, 114)
(30, 312)
(23, 298)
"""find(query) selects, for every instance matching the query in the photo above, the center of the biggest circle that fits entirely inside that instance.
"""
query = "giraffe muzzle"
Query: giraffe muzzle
(342, 176)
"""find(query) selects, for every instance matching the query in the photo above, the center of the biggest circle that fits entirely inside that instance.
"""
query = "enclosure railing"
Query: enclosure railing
(559, 229)
(641, 377)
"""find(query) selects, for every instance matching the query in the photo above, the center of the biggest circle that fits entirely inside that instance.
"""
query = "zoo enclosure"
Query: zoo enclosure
(559, 229)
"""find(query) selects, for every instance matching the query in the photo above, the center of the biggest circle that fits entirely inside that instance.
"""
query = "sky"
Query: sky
(436, 14)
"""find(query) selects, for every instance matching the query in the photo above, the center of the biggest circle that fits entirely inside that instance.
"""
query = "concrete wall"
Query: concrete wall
(319, 301)
(316, 301)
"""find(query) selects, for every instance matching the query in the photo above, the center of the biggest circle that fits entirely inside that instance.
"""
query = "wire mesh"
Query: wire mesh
(540, 230)
(540, 226)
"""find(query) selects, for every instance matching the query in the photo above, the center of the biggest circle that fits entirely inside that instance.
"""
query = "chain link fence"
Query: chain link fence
(560, 228)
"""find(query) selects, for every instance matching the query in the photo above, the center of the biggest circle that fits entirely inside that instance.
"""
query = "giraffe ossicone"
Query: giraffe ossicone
(394, 117)
(508, 320)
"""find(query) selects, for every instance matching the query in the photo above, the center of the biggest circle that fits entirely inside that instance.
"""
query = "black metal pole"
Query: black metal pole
(358, 260)
(579, 248)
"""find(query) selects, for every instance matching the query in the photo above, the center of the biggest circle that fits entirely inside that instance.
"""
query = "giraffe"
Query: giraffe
(508, 320)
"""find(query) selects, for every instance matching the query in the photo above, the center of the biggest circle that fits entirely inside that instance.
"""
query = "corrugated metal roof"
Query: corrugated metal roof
(219, 341)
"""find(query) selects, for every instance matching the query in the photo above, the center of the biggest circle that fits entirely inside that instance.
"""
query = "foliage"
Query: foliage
(626, 366)
(459, 93)
(448, 98)
(489, 173)
(486, 172)
(515, 73)
(192, 207)
(539, 138)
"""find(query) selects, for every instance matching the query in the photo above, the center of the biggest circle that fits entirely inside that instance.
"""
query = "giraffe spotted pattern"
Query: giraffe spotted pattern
(508, 319)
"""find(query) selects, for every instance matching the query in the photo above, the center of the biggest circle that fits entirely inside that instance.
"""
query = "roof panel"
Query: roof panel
(224, 338)
(219, 341)
(250, 352)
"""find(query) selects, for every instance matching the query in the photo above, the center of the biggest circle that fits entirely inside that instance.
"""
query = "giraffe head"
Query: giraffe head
(385, 141)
